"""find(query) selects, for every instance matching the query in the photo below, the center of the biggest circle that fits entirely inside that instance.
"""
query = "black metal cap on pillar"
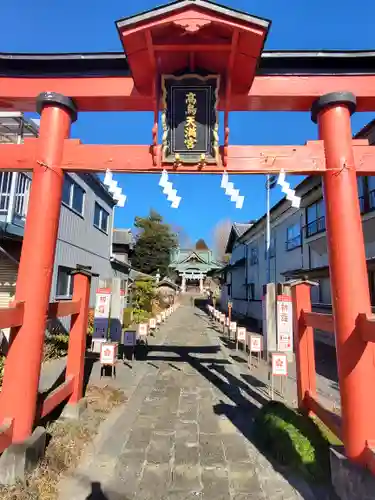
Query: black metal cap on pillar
(85, 270)
(58, 100)
(326, 100)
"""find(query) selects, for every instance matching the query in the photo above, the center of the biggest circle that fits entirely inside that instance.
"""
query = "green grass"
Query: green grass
(295, 440)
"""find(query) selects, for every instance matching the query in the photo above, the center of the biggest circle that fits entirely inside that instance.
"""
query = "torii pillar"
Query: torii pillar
(347, 262)
(24, 358)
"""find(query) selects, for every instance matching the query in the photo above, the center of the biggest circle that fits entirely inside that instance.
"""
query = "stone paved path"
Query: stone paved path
(185, 432)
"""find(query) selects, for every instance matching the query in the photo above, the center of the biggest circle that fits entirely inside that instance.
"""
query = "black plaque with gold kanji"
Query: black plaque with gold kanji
(190, 119)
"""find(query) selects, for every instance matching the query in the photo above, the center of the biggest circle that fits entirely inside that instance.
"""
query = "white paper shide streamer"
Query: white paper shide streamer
(234, 194)
(115, 190)
(168, 190)
(290, 194)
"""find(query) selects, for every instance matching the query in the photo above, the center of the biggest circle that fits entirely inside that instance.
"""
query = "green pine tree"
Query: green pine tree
(153, 244)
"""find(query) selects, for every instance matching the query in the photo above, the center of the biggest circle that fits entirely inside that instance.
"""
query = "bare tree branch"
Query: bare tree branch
(220, 238)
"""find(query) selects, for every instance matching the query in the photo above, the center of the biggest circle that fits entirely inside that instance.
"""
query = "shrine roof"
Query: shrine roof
(191, 258)
(112, 64)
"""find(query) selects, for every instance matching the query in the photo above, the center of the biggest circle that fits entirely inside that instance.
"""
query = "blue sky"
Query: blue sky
(88, 26)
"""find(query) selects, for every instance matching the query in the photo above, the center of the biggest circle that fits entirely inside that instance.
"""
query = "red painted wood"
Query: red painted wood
(192, 30)
(268, 93)
(6, 431)
(366, 324)
(57, 396)
(12, 316)
(304, 345)
(308, 159)
(64, 308)
(193, 48)
(23, 364)
(349, 281)
(77, 340)
(320, 321)
(297, 93)
(331, 420)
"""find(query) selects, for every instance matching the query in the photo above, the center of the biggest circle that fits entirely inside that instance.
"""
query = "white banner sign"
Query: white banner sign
(142, 329)
(152, 323)
(241, 334)
(284, 323)
(279, 364)
(108, 354)
(233, 326)
(102, 303)
(255, 343)
(158, 319)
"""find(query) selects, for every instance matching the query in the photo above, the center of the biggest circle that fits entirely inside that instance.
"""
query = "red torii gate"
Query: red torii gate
(194, 36)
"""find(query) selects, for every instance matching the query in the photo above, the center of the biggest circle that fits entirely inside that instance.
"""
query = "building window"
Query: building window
(21, 198)
(361, 183)
(253, 256)
(293, 237)
(5, 186)
(101, 217)
(272, 248)
(64, 285)
(250, 291)
(73, 195)
(315, 216)
(366, 193)
(371, 192)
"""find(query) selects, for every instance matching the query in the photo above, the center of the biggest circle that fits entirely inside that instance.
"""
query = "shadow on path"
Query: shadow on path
(241, 413)
(98, 494)
(325, 355)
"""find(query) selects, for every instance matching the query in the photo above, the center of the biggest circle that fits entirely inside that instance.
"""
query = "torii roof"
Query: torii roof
(193, 35)
(172, 7)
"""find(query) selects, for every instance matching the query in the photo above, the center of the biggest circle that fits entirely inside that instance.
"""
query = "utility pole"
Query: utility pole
(271, 182)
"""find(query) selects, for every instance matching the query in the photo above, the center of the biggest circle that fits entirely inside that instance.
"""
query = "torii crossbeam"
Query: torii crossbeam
(77, 157)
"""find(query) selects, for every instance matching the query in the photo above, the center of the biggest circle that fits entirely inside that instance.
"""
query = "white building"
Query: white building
(298, 248)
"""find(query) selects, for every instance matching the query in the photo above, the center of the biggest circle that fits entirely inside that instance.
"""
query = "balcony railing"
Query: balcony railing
(14, 196)
(294, 242)
(315, 227)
